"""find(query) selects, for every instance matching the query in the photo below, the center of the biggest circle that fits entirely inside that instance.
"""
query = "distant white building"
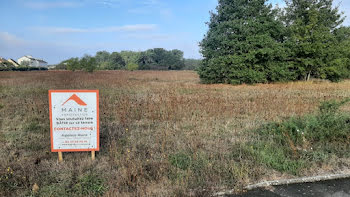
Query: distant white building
(13, 62)
(31, 61)
(2, 60)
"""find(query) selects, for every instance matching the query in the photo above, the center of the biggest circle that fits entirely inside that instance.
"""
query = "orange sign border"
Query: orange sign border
(98, 120)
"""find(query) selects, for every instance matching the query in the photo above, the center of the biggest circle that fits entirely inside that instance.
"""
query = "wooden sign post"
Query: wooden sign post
(60, 156)
(74, 121)
(92, 155)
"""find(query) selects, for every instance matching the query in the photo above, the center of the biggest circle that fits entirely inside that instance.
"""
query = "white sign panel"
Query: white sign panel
(74, 120)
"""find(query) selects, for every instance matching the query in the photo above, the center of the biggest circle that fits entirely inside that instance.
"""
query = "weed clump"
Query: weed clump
(90, 184)
(290, 145)
(180, 160)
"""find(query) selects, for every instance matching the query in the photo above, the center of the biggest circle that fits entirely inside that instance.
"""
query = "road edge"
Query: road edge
(309, 179)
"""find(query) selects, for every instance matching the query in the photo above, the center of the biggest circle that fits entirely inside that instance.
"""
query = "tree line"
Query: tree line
(254, 42)
(152, 59)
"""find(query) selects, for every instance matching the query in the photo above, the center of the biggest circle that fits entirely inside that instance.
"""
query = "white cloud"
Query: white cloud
(42, 4)
(14, 47)
(153, 37)
(125, 28)
(51, 4)
(151, 7)
(137, 27)
(107, 3)
(150, 2)
(7, 38)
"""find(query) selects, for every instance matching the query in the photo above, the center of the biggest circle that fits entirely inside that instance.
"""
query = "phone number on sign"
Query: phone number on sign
(75, 141)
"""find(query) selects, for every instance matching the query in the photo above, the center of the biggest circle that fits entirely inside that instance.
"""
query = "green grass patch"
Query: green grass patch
(90, 184)
(290, 145)
(196, 170)
(33, 126)
(189, 167)
(54, 190)
(180, 160)
(276, 158)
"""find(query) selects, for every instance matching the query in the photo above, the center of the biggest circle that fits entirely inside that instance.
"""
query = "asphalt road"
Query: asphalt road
(333, 188)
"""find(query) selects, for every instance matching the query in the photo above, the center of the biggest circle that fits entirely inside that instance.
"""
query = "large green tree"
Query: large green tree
(312, 25)
(244, 44)
(102, 59)
(88, 63)
(145, 60)
(116, 61)
(102, 56)
(175, 59)
(72, 64)
(130, 57)
(192, 64)
(161, 59)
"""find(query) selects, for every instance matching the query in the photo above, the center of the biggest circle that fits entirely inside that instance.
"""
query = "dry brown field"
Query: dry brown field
(163, 133)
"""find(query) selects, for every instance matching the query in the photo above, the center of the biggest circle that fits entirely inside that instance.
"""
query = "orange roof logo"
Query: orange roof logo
(75, 98)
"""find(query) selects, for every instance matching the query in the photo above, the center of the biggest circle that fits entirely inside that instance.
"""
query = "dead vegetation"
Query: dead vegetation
(162, 133)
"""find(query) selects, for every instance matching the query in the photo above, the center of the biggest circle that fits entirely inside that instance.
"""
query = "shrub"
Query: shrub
(23, 68)
(132, 66)
(333, 74)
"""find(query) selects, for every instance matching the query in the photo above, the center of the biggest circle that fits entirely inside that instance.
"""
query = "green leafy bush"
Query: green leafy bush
(23, 68)
(132, 66)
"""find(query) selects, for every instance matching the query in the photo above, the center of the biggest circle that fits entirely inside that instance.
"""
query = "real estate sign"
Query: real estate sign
(74, 120)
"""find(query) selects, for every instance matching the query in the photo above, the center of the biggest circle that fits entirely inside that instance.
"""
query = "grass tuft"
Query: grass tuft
(90, 184)
(290, 145)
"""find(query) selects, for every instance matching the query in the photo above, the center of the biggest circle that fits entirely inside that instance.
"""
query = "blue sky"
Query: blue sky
(55, 30)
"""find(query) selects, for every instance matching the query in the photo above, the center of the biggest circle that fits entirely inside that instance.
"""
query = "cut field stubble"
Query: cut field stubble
(162, 132)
